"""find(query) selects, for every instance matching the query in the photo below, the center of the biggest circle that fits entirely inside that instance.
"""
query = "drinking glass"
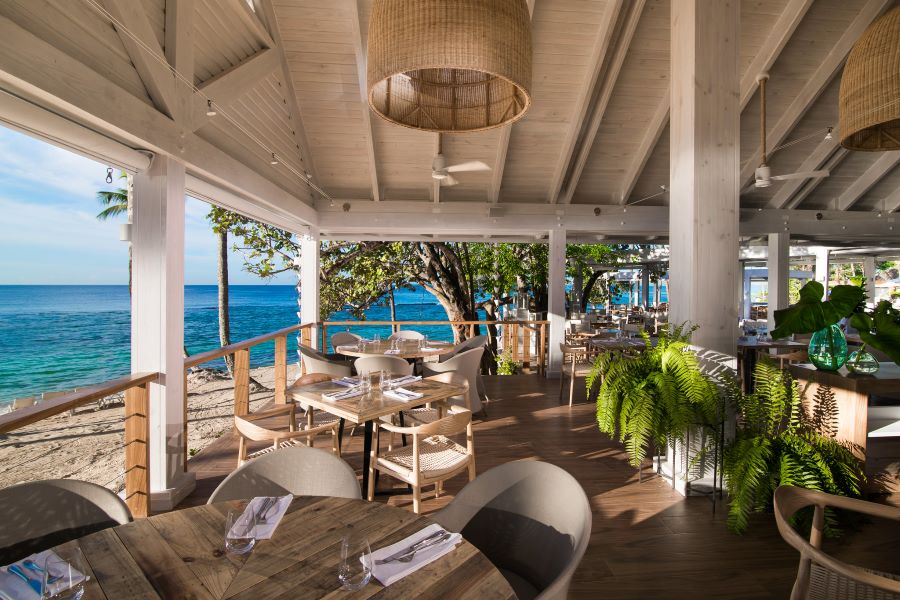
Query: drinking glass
(355, 570)
(376, 338)
(64, 575)
(239, 531)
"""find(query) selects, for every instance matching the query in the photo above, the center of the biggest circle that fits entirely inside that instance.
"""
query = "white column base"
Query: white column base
(168, 499)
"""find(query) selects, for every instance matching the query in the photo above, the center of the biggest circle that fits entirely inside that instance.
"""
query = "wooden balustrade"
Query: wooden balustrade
(137, 428)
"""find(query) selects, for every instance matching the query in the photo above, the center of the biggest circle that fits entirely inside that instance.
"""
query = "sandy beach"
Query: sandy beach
(88, 445)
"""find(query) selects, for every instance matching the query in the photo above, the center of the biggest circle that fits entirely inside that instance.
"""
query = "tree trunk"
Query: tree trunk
(589, 288)
(393, 304)
(224, 322)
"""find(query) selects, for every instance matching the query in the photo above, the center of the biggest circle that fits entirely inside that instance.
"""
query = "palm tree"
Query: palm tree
(117, 202)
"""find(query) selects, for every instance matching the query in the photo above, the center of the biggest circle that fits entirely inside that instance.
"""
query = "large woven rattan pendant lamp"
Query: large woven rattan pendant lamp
(449, 65)
(870, 88)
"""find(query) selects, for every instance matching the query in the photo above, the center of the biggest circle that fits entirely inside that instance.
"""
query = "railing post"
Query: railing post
(186, 455)
(280, 370)
(137, 450)
(471, 330)
(242, 382)
(515, 342)
(324, 347)
(526, 350)
(542, 357)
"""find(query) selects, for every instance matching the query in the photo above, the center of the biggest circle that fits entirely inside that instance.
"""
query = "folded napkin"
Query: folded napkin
(347, 347)
(264, 531)
(395, 570)
(13, 586)
(343, 394)
(346, 381)
(397, 351)
(404, 380)
(401, 394)
(431, 349)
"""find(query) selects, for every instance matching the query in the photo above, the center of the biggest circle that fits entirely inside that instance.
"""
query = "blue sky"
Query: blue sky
(50, 234)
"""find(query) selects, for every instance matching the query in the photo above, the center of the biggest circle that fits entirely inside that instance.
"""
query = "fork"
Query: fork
(267, 505)
(407, 555)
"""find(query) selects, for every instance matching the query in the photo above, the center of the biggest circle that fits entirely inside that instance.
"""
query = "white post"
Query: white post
(746, 298)
(556, 304)
(869, 273)
(309, 280)
(157, 322)
(704, 169)
(778, 263)
(823, 266)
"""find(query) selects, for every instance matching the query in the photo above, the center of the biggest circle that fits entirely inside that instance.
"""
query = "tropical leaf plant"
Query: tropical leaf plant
(778, 442)
(654, 395)
(880, 329)
(811, 313)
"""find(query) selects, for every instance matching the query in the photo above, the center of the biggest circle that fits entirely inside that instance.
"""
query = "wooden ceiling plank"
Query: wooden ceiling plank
(881, 167)
(892, 202)
(359, 47)
(249, 17)
(809, 185)
(503, 146)
(229, 85)
(157, 77)
(605, 31)
(815, 84)
(645, 149)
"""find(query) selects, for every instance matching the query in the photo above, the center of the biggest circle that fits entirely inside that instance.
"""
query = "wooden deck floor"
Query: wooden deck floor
(647, 541)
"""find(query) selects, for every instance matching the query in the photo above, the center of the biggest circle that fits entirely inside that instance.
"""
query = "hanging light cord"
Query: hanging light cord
(210, 102)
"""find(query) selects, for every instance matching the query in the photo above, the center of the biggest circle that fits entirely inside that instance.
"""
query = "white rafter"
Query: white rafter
(807, 186)
(788, 188)
(862, 184)
(359, 46)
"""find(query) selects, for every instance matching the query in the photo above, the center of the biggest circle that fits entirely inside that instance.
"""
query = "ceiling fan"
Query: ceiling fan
(764, 177)
(441, 171)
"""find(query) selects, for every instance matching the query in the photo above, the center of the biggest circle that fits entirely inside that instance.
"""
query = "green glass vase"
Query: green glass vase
(828, 348)
(862, 363)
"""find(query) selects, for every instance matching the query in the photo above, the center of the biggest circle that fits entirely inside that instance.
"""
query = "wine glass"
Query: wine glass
(64, 575)
(355, 570)
(239, 529)
(376, 339)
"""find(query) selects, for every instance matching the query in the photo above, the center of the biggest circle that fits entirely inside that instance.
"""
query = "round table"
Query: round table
(407, 349)
(180, 554)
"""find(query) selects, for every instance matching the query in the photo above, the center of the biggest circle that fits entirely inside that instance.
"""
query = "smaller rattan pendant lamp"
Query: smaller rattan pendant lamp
(870, 88)
(449, 65)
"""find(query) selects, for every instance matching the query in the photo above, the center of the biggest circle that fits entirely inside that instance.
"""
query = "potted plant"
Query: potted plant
(506, 365)
(879, 328)
(777, 442)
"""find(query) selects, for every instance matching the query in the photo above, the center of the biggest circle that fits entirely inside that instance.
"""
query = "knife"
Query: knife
(414, 547)
(36, 585)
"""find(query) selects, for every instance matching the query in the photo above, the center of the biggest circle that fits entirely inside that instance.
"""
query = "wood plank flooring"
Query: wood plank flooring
(647, 541)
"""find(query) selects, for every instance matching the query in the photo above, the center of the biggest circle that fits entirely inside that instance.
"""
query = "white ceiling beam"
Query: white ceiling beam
(36, 70)
(179, 38)
(892, 202)
(359, 46)
(807, 186)
(249, 17)
(815, 84)
(629, 25)
(645, 149)
(862, 184)
(788, 188)
(145, 53)
(503, 146)
(609, 26)
(229, 85)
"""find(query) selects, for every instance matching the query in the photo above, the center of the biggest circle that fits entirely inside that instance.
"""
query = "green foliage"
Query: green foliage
(114, 201)
(810, 313)
(655, 395)
(880, 329)
(506, 365)
(778, 443)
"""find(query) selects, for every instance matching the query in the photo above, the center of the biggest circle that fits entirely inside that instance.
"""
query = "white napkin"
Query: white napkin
(430, 349)
(404, 380)
(392, 351)
(346, 381)
(401, 394)
(264, 531)
(13, 586)
(343, 394)
(388, 573)
(347, 347)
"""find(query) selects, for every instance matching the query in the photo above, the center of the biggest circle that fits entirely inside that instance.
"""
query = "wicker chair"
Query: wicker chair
(430, 414)
(431, 459)
(389, 364)
(344, 338)
(572, 355)
(823, 577)
(406, 334)
(468, 363)
(249, 431)
(316, 362)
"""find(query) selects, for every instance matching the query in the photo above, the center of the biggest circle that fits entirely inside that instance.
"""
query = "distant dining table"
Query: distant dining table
(405, 349)
(748, 354)
(180, 554)
(366, 408)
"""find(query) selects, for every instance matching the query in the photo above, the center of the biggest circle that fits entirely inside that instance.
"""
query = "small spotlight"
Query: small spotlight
(597, 211)
(273, 160)
(829, 136)
(210, 111)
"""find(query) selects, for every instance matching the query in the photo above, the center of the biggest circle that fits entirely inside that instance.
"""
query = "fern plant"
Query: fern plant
(778, 442)
(654, 395)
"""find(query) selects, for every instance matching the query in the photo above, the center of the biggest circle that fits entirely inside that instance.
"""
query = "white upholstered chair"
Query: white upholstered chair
(467, 363)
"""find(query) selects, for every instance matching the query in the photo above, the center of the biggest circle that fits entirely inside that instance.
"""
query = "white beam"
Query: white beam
(310, 263)
(823, 267)
(608, 27)
(818, 156)
(645, 148)
(815, 84)
(179, 36)
(157, 321)
(158, 79)
(503, 146)
(778, 263)
(250, 18)
(807, 186)
(556, 302)
(229, 85)
(359, 46)
(881, 167)
(869, 273)
(892, 202)
(238, 203)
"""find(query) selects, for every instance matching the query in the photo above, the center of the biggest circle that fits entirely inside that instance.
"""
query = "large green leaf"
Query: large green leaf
(810, 314)
(881, 329)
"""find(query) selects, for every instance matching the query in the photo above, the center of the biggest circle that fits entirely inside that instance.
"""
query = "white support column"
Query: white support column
(823, 266)
(869, 273)
(309, 280)
(778, 264)
(157, 322)
(746, 299)
(645, 286)
(556, 305)
(704, 167)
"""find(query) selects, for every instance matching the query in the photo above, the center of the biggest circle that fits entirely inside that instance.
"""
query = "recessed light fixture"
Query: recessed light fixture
(210, 111)
(273, 160)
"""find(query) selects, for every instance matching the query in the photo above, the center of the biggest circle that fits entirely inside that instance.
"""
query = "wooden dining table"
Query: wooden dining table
(366, 408)
(180, 554)
(406, 349)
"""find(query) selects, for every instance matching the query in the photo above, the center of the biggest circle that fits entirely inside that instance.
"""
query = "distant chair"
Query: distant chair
(531, 519)
(316, 362)
(300, 470)
(19, 403)
(467, 363)
(344, 338)
(572, 356)
(820, 575)
(39, 515)
(430, 414)
(477, 341)
(406, 334)
(389, 364)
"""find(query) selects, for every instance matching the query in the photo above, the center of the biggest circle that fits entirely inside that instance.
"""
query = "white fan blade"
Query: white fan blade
(472, 165)
(449, 180)
(803, 175)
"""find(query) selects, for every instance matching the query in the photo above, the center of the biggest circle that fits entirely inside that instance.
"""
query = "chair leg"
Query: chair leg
(572, 381)
(438, 488)
(335, 442)
(471, 470)
(417, 498)
(562, 379)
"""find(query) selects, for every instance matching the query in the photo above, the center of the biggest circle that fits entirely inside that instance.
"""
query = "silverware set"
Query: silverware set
(267, 505)
(408, 553)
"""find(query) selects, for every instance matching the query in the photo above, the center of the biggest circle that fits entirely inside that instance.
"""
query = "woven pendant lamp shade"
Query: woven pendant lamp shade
(449, 65)
(870, 88)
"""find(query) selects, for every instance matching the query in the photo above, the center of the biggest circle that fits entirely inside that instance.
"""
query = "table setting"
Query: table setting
(45, 574)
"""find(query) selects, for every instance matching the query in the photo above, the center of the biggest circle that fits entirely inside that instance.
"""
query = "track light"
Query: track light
(210, 111)
(274, 160)
(828, 136)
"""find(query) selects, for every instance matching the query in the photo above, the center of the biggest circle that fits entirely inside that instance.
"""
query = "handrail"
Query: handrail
(198, 359)
(400, 323)
(38, 412)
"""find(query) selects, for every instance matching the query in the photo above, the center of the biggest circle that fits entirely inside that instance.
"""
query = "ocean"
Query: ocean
(59, 337)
